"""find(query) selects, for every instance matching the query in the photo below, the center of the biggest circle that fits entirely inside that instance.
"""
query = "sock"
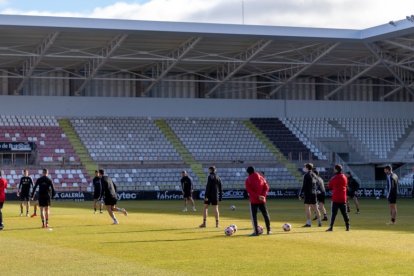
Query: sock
(94, 209)
(308, 222)
(393, 219)
(43, 222)
(21, 210)
(217, 222)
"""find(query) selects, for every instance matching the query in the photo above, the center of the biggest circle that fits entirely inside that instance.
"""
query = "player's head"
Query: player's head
(250, 170)
(212, 169)
(184, 173)
(338, 168)
(96, 173)
(101, 172)
(308, 167)
(388, 169)
(26, 172)
(348, 174)
(45, 172)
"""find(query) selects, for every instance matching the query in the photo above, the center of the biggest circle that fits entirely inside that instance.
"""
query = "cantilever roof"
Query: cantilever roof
(87, 49)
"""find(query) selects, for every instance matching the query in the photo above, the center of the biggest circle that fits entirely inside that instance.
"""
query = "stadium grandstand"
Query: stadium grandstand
(146, 100)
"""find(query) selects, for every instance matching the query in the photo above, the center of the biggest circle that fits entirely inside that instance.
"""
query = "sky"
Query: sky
(344, 14)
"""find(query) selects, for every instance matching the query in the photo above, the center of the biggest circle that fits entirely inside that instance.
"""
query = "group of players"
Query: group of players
(43, 191)
(342, 186)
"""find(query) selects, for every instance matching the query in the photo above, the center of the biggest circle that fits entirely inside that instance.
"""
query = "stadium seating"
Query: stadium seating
(44, 131)
(378, 134)
(283, 138)
(150, 179)
(234, 178)
(220, 140)
(124, 140)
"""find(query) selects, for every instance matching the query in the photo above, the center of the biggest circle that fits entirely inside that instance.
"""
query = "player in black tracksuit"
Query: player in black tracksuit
(308, 191)
(97, 192)
(110, 196)
(353, 187)
(25, 185)
(392, 191)
(187, 188)
(213, 194)
(46, 193)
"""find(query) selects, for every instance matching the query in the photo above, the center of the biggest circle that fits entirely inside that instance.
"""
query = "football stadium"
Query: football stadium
(147, 100)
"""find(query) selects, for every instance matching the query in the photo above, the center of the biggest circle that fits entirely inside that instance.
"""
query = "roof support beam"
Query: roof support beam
(313, 59)
(229, 69)
(352, 79)
(92, 67)
(380, 54)
(32, 62)
(161, 69)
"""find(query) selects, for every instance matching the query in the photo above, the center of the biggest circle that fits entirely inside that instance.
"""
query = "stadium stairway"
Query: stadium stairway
(78, 146)
(196, 167)
(292, 168)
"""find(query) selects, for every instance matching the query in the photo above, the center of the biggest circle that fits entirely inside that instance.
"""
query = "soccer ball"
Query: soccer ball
(287, 227)
(234, 226)
(232, 207)
(259, 230)
(229, 231)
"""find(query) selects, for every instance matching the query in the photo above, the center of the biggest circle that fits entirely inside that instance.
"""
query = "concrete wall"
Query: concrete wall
(163, 107)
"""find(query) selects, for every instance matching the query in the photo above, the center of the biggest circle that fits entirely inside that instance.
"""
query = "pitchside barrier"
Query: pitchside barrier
(227, 194)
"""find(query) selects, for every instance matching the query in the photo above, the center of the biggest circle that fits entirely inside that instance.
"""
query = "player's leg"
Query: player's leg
(253, 216)
(42, 215)
(334, 212)
(266, 217)
(356, 201)
(342, 208)
(27, 206)
(185, 204)
(205, 214)
(308, 215)
(118, 209)
(46, 216)
(21, 207)
(193, 203)
(109, 208)
(100, 206)
(95, 201)
(317, 213)
(393, 212)
(217, 214)
(34, 209)
(1, 216)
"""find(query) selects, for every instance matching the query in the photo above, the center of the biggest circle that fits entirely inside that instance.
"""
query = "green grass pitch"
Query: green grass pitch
(158, 239)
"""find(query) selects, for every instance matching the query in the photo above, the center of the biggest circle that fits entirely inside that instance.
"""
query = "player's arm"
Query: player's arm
(220, 188)
(53, 188)
(34, 190)
(19, 188)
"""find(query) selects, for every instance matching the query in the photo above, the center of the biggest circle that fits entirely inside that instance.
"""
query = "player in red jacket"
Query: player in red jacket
(3, 187)
(338, 186)
(257, 188)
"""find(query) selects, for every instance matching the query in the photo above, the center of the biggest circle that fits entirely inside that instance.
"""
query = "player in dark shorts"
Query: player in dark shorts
(110, 196)
(320, 195)
(23, 191)
(353, 187)
(187, 189)
(392, 189)
(97, 192)
(213, 194)
(46, 193)
(309, 194)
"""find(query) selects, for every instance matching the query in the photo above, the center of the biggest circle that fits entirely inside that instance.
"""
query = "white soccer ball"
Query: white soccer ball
(233, 207)
(377, 197)
(287, 227)
(229, 231)
(234, 226)
(259, 230)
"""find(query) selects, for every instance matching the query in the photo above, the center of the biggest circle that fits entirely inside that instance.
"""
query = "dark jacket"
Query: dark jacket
(214, 190)
(186, 184)
(309, 185)
(108, 188)
(392, 185)
(353, 185)
(46, 188)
